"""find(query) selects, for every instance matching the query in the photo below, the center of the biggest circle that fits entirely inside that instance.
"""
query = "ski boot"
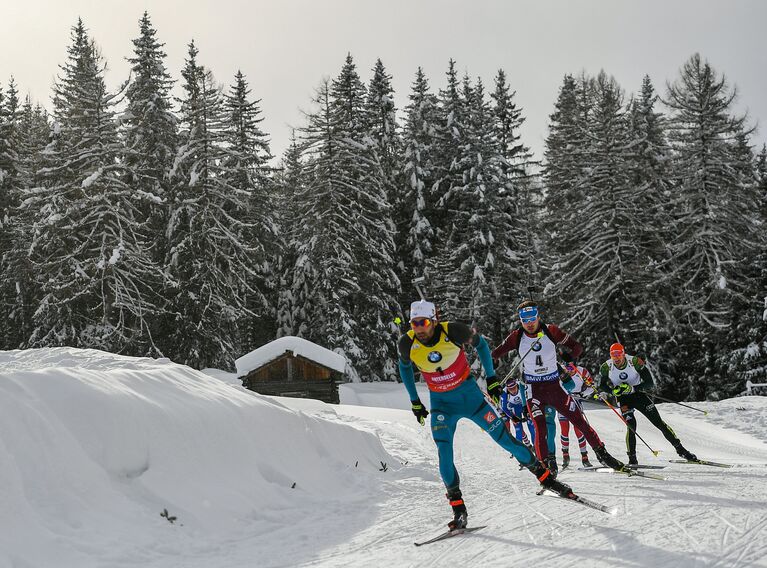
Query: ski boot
(460, 515)
(565, 460)
(633, 459)
(585, 459)
(551, 464)
(548, 481)
(685, 455)
(608, 460)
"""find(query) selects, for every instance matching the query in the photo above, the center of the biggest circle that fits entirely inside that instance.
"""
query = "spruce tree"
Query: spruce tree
(382, 116)
(20, 294)
(448, 171)
(415, 205)
(208, 265)
(519, 201)
(472, 285)
(563, 175)
(713, 215)
(247, 171)
(149, 131)
(290, 183)
(595, 236)
(10, 194)
(346, 258)
(86, 247)
(449, 182)
(648, 158)
(9, 161)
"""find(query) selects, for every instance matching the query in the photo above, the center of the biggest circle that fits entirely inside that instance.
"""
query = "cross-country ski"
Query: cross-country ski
(449, 534)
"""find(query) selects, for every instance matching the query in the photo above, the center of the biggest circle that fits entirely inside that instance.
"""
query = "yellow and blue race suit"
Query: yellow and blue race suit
(454, 393)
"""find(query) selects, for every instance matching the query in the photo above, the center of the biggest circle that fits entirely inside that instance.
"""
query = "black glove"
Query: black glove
(494, 389)
(565, 355)
(419, 411)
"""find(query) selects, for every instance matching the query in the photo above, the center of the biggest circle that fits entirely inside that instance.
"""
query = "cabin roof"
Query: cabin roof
(298, 346)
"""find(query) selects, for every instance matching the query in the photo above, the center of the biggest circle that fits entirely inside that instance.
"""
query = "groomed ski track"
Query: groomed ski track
(700, 516)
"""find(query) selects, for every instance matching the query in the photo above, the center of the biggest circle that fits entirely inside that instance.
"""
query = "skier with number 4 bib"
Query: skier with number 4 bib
(546, 377)
(627, 377)
(437, 350)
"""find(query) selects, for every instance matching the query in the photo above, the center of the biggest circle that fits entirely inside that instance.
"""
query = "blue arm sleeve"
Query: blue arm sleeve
(408, 379)
(483, 350)
(523, 392)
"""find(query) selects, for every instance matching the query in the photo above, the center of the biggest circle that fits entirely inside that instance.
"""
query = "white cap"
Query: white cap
(422, 309)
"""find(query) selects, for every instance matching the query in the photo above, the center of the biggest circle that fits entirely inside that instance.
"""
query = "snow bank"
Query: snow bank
(93, 446)
(298, 346)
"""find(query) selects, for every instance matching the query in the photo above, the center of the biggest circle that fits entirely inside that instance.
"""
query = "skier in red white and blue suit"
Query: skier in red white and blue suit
(546, 376)
(437, 350)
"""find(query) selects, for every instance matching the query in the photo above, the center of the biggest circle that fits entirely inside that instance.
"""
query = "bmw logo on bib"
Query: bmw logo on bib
(537, 346)
(624, 376)
(435, 357)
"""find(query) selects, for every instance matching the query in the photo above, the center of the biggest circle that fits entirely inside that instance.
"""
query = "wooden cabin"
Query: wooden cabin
(292, 366)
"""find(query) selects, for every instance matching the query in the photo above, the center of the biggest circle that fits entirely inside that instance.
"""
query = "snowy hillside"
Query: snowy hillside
(95, 446)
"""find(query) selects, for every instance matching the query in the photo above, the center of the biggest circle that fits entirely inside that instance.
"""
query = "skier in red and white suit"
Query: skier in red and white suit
(546, 377)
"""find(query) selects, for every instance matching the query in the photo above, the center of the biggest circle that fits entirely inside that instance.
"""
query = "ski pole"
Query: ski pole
(654, 452)
(507, 378)
(705, 412)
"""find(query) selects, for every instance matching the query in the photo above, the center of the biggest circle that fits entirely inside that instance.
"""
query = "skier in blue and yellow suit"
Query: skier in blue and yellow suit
(436, 348)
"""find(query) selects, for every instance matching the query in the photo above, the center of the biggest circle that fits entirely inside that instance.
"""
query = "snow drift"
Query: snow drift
(94, 446)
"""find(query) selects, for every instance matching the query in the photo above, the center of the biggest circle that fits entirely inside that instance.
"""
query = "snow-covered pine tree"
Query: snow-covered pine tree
(648, 159)
(208, 265)
(517, 158)
(598, 259)
(750, 362)
(520, 204)
(10, 192)
(87, 249)
(247, 171)
(385, 130)
(748, 326)
(348, 251)
(479, 224)
(9, 161)
(289, 183)
(713, 216)
(149, 132)
(313, 236)
(17, 280)
(563, 175)
(34, 135)
(382, 117)
(415, 205)
(449, 180)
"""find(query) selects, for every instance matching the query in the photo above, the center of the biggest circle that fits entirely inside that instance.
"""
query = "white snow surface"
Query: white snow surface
(298, 346)
(95, 446)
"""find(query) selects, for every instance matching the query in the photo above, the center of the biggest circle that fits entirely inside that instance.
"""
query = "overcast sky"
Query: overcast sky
(285, 47)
